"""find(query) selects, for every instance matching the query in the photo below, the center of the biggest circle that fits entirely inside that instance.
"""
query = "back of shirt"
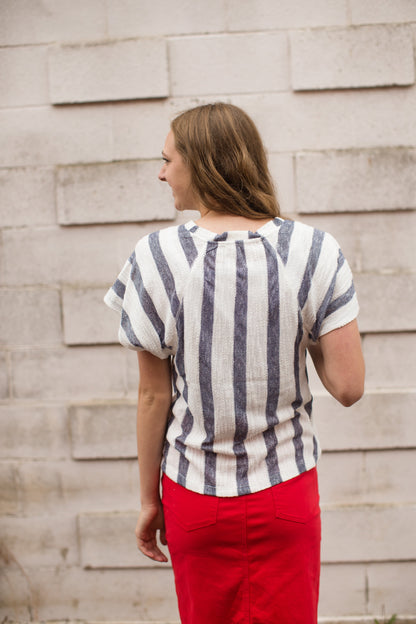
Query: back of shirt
(236, 311)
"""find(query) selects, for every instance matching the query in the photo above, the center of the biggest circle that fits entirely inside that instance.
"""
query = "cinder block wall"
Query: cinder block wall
(87, 89)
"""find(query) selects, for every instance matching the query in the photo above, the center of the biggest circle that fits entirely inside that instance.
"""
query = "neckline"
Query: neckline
(233, 235)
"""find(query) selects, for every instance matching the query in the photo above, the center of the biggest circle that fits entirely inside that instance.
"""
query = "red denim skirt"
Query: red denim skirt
(252, 559)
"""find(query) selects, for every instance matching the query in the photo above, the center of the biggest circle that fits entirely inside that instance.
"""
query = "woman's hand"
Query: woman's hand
(150, 521)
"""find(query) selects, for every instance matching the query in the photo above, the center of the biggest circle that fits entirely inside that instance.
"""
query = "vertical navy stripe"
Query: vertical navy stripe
(146, 301)
(188, 244)
(298, 430)
(311, 263)
(119, 288)
(128, 330)
(188, 419)
(164, 271)
(239, 369)
(283, 239)
(273, 365)
(205, 367)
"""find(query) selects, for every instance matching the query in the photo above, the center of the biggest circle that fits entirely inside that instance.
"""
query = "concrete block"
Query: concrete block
(265, 15)
(34, 21)
(113, 193)
(379, 296)
(367, 56)
(45, 486)
(30, 317)
(342, 590)
(367, 478)
(390, 360)
(33, 432)
(23, 76)
(140, 129)
(107, 540)
(27, 197)
(4, 375)
(87, 319)
(41, 540)
(128, 18)
(122, 70)
(47, 136)
(333, 119)
(70, 256)
(389, 477)
(103, 431)
(79, 373)
(360, 534)
(391, 587)
(9, 492)
(74, 594)
(231, 64)
(343, 181)
(380, 420)
(384, 11)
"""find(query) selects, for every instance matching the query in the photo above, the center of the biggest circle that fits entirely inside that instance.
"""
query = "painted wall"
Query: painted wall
(87, 89)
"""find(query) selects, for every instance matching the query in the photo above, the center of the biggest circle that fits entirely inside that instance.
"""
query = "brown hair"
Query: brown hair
(224, 151)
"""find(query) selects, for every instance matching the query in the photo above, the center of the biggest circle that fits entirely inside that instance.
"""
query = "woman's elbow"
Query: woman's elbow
(349, 395)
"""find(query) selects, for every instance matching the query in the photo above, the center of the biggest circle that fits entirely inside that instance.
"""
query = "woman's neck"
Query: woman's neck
(219, 222)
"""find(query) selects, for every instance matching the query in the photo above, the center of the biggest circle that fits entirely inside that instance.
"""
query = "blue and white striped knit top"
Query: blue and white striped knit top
(236, 311)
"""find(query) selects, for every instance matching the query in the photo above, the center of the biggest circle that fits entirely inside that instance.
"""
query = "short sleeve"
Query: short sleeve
(333, 301)
(146, 322)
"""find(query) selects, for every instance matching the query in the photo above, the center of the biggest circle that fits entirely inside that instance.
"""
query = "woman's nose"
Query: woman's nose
(161, 175)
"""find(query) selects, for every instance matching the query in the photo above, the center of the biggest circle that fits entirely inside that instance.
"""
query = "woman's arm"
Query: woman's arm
(339, 362)
(155, 397)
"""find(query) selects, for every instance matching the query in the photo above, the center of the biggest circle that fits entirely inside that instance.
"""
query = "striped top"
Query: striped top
(236, 311)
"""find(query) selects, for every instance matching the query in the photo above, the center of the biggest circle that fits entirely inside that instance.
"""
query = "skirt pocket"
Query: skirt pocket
(191, 510)
(297, 499)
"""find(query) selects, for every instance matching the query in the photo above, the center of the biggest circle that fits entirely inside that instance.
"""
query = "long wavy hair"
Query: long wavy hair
(224, 151)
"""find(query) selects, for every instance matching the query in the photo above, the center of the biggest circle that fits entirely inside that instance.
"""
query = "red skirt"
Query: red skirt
(252, 559)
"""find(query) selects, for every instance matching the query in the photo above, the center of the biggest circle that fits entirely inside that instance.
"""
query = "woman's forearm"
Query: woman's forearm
(152, 414)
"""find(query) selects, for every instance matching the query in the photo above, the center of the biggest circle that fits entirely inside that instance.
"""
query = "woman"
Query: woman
(224, 309)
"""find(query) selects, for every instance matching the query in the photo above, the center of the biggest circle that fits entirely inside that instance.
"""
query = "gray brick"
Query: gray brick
(282, 171)
(100, 254)
(381, 179)
(78, 373)
(107, 541)
(334, 120)
(128, 18)
(4, 376)
(30, 317)
(31, 21)
(123, 70)
(9, 492)
(391, 585)
(380, 420)
(370, 12)
(86, 319)
(366, 56)
(23, 76)
(111, 193)
(231, 64)
(44, 486)
(91, 595)
(27, 197)
(103, 431)
(342, 592)
(390, 360)
(374, 534)
(264, 15)
(140, 129)
(361, 478)
(379, 312)
(33, 432)
(41, 540)
(45, 135)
